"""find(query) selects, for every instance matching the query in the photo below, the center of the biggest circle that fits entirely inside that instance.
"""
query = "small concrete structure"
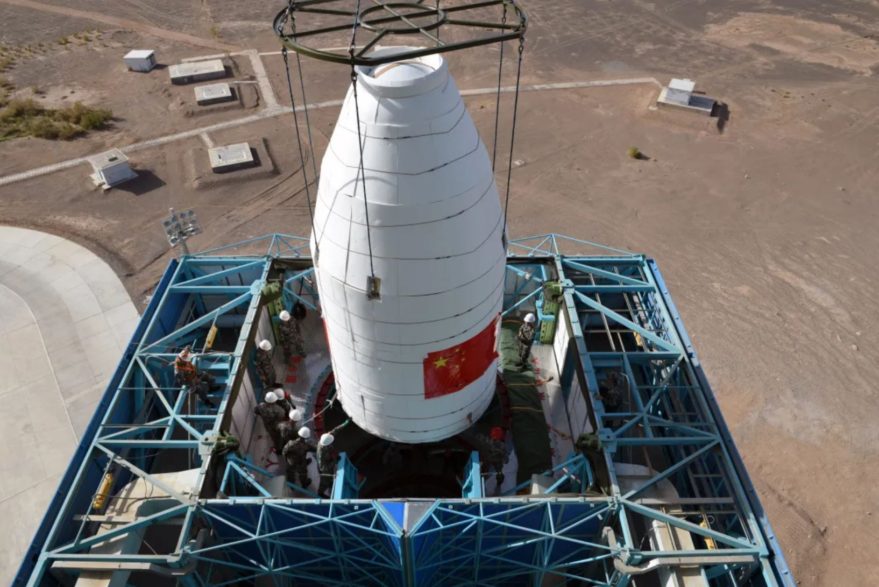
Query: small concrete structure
(231, 157)
(679, 93)
(213, 94)
(197, 71)
(140, 60)
(111, 169)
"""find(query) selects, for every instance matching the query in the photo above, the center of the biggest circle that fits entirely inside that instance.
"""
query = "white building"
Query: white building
(213, 94)
(231, 157)
(140, 60)
(197, 71)
(680, 93)
(111, 169)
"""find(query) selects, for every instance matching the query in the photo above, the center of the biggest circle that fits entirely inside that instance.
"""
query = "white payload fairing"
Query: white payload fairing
(419, 363)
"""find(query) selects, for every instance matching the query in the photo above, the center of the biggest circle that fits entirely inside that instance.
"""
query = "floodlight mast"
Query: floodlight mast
(381, 21)
(179, 227)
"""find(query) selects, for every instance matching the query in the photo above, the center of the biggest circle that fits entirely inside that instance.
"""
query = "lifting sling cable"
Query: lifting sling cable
(497, 103)
(302, 88)
(513, 133)
(359, 135)
(299, 143)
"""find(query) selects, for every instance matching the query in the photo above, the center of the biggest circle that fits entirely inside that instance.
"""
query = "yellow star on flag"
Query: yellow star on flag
(441, 362)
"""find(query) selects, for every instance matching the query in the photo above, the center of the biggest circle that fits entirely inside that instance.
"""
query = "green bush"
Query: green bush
(634, 153)
(26, 117)
(85, 117)
(20, 109)
(95, 120)
(42, 128)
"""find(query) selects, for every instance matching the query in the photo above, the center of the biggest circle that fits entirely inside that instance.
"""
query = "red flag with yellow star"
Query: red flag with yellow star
(454, 368)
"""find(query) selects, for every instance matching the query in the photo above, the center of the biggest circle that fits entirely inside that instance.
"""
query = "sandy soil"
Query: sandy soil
(765, 232)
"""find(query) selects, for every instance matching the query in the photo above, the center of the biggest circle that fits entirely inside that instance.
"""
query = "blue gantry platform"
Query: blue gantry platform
(656, 492)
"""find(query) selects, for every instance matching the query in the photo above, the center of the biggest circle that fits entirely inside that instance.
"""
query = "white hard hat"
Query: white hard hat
(529, 318)
(305, 432)
(271, 397)
(284, 315)
(295, 414)
(265, 345)
(326, 439)
(184, 352)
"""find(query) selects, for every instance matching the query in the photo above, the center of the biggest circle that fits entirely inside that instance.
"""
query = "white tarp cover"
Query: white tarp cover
(436, 229)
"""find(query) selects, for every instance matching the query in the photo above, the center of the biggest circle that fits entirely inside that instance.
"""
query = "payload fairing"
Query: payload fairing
(418, 363)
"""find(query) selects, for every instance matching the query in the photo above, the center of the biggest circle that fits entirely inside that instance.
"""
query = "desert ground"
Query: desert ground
(765, 226)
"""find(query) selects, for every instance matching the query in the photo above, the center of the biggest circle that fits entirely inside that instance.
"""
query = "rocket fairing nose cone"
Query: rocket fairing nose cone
(418, 363)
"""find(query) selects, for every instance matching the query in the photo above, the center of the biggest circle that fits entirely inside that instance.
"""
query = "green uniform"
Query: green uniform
(526, 339)
(272, 415)
(493, 454)
(296, 456)
(327, 461)
(290, 335)
(264, 368)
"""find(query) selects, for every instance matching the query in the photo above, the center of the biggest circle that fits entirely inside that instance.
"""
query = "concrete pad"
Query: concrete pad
(66, 320)
(17, 513)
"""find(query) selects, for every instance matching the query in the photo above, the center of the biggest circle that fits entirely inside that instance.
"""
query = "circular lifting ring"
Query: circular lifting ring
(407, 28)
(297, 38)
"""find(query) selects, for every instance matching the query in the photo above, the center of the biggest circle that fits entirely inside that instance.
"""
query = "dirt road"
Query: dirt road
(125, 23)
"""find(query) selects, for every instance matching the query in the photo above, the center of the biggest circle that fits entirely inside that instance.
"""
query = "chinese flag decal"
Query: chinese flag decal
(454, 368)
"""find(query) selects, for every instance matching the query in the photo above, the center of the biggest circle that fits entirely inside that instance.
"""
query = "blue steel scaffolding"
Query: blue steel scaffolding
(596, 522)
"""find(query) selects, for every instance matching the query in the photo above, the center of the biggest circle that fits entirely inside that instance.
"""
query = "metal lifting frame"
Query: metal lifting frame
(620, 318)
(394, 23)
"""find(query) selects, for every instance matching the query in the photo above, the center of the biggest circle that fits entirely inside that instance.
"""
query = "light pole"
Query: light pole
(179, 226)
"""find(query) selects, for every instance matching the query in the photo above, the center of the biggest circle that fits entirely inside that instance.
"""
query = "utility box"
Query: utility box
(213, 94)
(231, 157)
(111, 169)
(197, 71)
(140, 60)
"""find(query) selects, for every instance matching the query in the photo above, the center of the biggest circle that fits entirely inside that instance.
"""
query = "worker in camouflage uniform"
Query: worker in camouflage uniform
(271, 414)
(204, 384)
(290, 334)
(288, 428)
(286, 431)
(284, 399)
(613, 390)
(493, 454)
(328, 459)
(526, 338)
(295, 454)
(263, 361)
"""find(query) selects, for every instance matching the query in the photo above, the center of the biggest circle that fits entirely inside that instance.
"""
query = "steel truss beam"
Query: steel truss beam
(144, 413)
(668, 423)
(665, 423)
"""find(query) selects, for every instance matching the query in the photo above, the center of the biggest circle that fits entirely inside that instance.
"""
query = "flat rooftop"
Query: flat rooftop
(213, 92)
(197, 68)
(108, 159)
(230, 155)
(139, 54)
